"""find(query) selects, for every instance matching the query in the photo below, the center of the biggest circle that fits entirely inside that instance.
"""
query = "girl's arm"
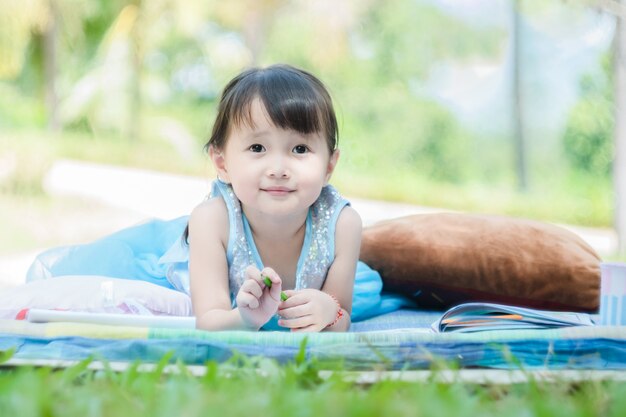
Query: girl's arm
(340, 278)
(313, 310)
(208, 268)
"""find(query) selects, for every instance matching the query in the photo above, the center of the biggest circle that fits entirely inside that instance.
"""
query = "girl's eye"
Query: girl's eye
(300, 149)
(256, 148)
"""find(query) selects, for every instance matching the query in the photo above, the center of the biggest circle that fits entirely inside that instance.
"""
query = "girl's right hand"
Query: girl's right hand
(256, 302)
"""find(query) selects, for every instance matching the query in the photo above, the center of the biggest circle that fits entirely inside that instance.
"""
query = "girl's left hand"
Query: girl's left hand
(307, 310)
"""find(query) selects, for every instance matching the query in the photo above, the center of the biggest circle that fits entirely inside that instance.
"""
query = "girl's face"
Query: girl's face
(274, 171)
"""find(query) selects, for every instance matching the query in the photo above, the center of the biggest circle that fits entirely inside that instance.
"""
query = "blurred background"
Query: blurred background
(490, 106)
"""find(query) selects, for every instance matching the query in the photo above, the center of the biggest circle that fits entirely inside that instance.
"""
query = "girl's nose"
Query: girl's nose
(278, 168)
(278, 171)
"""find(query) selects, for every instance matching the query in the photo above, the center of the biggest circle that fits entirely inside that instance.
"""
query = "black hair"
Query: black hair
(293, 99)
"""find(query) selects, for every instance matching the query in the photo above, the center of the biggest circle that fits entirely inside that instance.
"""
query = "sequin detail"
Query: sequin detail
(320, 239)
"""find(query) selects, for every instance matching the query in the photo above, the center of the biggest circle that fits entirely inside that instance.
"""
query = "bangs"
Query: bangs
(293, 100)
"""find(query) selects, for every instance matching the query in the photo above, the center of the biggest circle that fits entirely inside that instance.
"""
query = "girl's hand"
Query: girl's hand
(256, 302)
(307, 310)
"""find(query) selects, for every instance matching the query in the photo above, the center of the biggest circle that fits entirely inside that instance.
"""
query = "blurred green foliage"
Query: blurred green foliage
(588, 139)
(137, 83)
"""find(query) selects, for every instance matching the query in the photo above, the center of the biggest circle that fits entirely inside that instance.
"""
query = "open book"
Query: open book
(473, 317)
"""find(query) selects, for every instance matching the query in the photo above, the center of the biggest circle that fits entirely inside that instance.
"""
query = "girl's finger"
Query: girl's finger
(307, 329)
(252, 287)
(273, 281)
(245, 299)
(294, 312)
(253, 272)
(268, 272)
(290, 293)
(302, 321)
(294, 298)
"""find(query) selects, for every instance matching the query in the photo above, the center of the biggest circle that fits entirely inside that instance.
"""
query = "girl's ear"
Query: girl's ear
(217, 157)
(332, 163)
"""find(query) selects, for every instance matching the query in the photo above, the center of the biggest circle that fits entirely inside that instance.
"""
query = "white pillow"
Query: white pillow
(94, 293)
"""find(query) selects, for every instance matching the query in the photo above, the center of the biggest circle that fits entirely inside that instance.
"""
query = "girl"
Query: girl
(273, 215)
(272, 224)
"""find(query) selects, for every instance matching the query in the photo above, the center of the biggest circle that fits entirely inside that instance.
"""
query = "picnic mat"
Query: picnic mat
(398, 340)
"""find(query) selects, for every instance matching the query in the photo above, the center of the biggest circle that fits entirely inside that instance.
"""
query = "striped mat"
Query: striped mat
(398, 340)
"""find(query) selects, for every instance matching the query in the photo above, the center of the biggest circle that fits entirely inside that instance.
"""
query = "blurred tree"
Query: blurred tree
(601, 116)
(107, 92)
(396, 47)
(17, 20)
(44, 34)
(588, 136)
(252, 18)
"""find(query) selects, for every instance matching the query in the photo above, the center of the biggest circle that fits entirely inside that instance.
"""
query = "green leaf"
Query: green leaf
(6, 355)
(70, 374)
(301, 355)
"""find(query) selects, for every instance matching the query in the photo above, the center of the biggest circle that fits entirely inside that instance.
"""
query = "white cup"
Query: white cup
(613, 294)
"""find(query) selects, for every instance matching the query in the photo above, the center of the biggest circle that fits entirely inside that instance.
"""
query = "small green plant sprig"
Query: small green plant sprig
(268, 283)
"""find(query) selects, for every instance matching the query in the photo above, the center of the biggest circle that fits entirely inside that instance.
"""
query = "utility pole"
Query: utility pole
(619, 162)
(137, 42)
(517, 111)
(50, 40)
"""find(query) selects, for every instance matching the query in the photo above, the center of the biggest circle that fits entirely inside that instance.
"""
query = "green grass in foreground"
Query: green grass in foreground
(261, 387)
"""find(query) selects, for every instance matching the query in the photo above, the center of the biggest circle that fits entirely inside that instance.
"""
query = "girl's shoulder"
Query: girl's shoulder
(211, 205)
(349, 220)
(211, 214)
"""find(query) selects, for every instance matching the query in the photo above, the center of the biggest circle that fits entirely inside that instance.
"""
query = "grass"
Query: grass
(36, 221)
(30, 219)
(35, 151)
(587, 204)
(260, 386)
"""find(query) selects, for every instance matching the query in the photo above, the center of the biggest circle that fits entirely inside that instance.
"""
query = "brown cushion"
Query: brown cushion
(445, 259)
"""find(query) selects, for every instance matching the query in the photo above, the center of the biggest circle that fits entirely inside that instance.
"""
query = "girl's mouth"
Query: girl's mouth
(277, 191)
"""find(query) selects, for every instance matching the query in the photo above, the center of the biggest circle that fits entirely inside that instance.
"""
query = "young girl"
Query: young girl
(272, 224)
(273, 214)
